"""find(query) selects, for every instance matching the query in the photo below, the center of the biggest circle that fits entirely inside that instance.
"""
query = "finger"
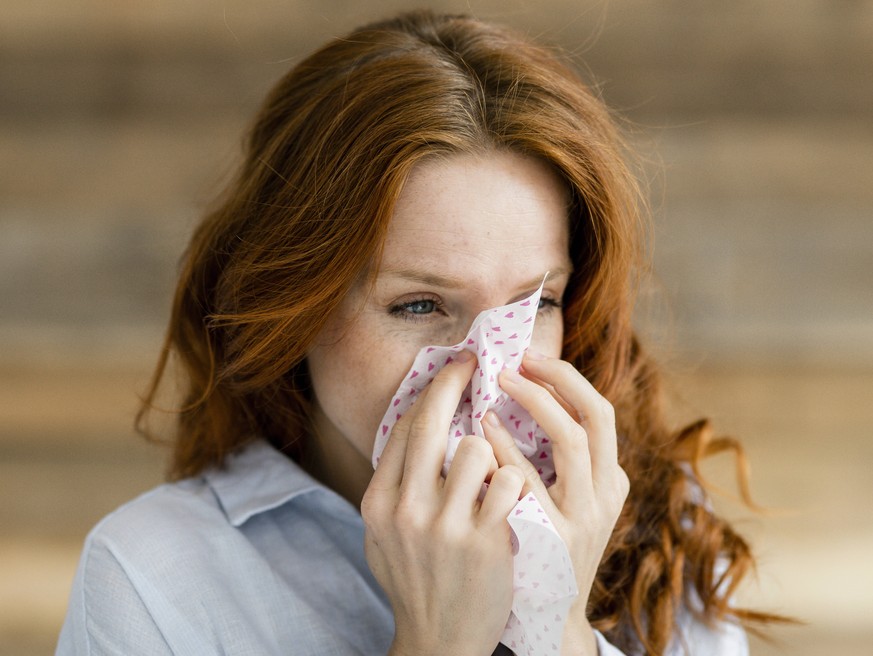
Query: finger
(471, 465)
(597, 414)
(569, 440)
(508, 453)
(389, 467)
(569, 409)
(429, 427)
(503, 493)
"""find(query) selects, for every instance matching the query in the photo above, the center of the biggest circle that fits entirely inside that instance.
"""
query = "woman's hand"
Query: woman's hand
(591, 487)
(443, 557)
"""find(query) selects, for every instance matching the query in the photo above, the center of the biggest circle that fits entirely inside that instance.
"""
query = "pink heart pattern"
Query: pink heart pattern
(543, 578)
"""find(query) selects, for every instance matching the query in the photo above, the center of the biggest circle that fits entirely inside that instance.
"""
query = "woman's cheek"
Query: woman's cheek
(390, 375)
(548, 335)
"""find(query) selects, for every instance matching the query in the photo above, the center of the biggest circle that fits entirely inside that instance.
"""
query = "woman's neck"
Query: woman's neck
(336, 463)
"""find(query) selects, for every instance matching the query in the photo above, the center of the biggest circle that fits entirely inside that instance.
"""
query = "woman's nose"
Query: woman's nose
(461, 327)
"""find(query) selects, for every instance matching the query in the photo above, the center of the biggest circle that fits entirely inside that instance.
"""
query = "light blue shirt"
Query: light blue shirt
(254, 559)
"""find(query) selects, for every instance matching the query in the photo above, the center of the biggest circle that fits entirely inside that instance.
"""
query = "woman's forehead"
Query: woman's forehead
(445, 181)
(492, 206)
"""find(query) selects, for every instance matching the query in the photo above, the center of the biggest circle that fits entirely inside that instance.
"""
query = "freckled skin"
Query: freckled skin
(491, 224)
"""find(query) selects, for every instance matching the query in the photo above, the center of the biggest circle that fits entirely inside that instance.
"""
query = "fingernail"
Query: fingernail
(492, 419)
(534, 355)
(463, 356)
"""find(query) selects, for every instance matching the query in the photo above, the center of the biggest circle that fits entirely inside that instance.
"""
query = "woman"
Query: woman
(397, 183)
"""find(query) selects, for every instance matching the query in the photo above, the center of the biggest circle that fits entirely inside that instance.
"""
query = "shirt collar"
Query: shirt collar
(257, 479)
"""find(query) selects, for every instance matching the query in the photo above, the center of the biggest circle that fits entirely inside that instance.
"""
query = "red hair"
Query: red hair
(308, 212)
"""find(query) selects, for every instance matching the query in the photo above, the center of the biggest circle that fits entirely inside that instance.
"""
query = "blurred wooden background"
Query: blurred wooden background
(119, 119)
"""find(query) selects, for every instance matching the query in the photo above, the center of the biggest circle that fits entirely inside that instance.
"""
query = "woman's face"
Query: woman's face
(468, 233)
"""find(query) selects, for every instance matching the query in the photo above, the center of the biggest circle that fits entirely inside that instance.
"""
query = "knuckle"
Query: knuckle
(622, 482)
(369, 512)
(618, 492)
(475, 448)
(576, 437)
(408, 513)
(511, 475)
(532, 476)
(606, 411)
(373, 511)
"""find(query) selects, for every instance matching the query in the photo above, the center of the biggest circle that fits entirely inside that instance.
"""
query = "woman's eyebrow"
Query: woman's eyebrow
(452, 282)
(426, 277)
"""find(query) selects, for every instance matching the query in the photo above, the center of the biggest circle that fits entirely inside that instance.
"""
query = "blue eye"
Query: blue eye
(420, 307)
(415, 310)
